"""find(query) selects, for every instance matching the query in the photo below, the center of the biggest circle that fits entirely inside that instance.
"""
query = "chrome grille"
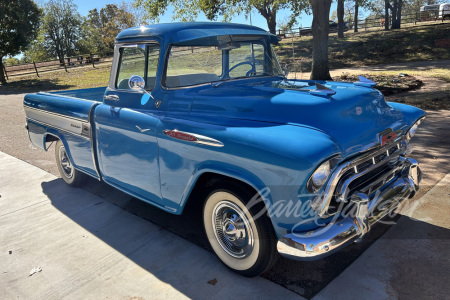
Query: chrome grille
(365, 173)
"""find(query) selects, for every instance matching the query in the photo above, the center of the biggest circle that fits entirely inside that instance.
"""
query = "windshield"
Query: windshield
(227, 59)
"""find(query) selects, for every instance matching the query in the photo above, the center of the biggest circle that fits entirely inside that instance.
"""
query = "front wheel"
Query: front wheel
(68, 173)
(244, 244)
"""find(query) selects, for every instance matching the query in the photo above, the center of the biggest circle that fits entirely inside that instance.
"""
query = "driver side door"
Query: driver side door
(126, 127)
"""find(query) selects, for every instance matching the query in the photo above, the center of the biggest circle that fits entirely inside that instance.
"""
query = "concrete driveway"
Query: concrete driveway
(87, 247)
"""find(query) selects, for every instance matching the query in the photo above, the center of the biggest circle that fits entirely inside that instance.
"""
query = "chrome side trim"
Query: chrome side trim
(26, 107)
(198, 139)
(46, 124)
(57, 121)
(111, 97)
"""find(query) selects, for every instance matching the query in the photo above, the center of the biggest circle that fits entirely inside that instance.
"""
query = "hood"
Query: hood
(353, 117)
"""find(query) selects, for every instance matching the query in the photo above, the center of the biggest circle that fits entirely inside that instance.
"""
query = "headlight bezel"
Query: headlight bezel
(326, 167)
(413, 129)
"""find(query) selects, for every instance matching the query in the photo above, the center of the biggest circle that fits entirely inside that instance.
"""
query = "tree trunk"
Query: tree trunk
(320, 29)
(387, 5)
(394, 14)
(397, 14)
(272, 22)
(356, 17)
(271, 17)
(340, 15)
(2, 74)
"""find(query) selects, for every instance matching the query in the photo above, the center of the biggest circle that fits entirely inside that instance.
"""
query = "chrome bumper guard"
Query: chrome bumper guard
(324, 241)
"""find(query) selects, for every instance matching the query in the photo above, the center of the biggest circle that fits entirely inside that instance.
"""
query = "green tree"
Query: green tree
(23, 60)
(37, 51)
(100, 28)
(113, 20)
(91, 34)
(11, 61)
(19, 22)
(61, 28)
(189, 10)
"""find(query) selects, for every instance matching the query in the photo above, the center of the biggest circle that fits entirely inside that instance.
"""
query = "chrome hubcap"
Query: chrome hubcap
(232, 229)
(66, 166)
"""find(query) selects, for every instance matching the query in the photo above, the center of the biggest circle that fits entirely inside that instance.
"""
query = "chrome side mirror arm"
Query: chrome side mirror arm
(137, 83)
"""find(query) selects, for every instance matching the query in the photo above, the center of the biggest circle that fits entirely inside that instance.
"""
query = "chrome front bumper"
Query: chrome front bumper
(326, 240)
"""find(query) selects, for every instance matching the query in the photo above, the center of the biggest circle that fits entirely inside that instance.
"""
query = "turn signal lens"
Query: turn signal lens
(412, 131)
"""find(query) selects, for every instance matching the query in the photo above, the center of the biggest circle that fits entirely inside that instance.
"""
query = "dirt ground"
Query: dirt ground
(433, 95)
(432, 150)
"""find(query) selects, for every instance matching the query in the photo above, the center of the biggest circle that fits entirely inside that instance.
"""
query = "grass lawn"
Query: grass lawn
(371, 47)
(80, 78)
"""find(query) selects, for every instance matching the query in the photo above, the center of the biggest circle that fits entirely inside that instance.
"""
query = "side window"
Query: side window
(243, 61)
(133, 62)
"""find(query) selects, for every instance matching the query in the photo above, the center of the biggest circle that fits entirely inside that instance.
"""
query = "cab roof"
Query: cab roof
(174, 33)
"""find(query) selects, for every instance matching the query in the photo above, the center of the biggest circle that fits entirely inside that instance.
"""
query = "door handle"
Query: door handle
(111, 97)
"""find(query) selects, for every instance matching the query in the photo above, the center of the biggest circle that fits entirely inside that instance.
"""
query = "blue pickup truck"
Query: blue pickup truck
(299, 168)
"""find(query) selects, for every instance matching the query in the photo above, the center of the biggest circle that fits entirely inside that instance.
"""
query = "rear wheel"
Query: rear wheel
(68, 173)
(244, 244)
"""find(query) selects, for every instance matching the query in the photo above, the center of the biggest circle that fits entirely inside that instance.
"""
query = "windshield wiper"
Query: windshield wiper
(218, 83)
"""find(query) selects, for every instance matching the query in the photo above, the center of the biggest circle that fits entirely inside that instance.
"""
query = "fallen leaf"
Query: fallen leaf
(35, 270)
(213, 281)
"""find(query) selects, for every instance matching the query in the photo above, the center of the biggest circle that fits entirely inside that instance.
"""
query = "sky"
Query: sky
(257, 20)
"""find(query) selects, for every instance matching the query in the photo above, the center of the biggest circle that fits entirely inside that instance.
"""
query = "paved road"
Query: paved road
(308, 278)
(88, 248)
(411, 261)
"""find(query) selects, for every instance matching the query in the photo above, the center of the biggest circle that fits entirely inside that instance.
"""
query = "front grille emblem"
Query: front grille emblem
(388, 138)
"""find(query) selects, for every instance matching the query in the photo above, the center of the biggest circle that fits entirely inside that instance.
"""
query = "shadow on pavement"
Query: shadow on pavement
(174, 262)
(303, 278)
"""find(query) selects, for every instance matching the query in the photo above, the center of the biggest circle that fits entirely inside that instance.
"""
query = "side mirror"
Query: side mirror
(136, 83)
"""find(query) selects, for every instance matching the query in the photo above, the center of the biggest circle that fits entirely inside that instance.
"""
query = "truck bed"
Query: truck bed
(92, 94)
(64, 115)
(73, 103)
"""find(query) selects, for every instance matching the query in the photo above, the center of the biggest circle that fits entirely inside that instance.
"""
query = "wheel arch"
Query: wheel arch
(209, 177)
(51, 137)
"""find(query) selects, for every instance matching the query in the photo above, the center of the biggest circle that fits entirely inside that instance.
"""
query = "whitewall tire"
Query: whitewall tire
(243, 244)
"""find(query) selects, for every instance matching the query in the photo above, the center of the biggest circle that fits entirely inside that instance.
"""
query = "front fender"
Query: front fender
(263, 155)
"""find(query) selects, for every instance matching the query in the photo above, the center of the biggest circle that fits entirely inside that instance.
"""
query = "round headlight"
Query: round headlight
(320, 176)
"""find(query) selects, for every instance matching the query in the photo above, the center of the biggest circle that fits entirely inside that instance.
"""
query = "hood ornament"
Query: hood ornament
(363, 81)
(322, 91)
